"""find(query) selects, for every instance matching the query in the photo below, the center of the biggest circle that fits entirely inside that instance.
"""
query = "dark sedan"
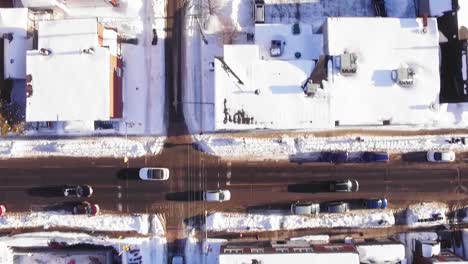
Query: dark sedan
(344, 186)
(334, 156)
(375, 156)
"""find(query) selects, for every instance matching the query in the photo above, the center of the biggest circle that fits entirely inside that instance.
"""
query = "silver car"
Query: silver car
(305, 208)
(217, 196)
(154, 174)
(337, 207)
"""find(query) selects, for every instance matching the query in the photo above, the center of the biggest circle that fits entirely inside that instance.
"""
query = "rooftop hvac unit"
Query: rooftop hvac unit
(403, 76)
(348, 63)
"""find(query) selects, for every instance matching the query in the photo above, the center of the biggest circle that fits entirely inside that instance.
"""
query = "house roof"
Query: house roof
(297, 258)
(69, 85)
(14, 20)
(382, 45)
(377, 253)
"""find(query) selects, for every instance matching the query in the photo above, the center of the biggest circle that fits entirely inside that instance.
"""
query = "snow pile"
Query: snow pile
(302, 147)
(84, 147)
(239, 222)
(386, 253)
(136, 223)
(151, 250)
(6, 255)
(426, 214)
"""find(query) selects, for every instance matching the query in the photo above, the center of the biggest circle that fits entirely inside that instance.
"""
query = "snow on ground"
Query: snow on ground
(408, 239)
(151, 249)
(426, 214)
(103, 222)
(306, 147)
(239, 222)
(84, 147)
(194, 253)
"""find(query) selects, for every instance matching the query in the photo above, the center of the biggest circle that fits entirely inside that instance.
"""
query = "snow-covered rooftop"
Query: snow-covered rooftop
(381, 253)
(68, 84)
(330, 258)
(383, 45)
(14, 20)
(308, 44)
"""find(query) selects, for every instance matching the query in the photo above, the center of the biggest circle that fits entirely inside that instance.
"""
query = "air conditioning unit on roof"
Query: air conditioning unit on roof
(403, 76)
(348, 63)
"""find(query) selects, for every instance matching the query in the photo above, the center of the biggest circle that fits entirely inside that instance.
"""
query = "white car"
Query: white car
(217, 196)
(440, 156)
(154, 174)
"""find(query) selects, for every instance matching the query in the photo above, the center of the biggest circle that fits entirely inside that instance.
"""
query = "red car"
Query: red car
(2, 209)
(85, 208)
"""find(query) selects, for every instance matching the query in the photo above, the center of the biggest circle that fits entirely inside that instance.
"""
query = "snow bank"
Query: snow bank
(302, 146)
(426, 214)
(239, 222)
(83, 147)
(103, 222)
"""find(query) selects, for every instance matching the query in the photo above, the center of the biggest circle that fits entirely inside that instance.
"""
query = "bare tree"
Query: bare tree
(212, 7)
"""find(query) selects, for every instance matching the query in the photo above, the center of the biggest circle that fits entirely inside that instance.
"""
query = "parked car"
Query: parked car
(154, 174)
(2, 210)
(77, 191)
(334, 156)
(217, 196)
(375, 156)
(259, 11)
(440, 156)
(85, 208)
(376, 203)
(344, 186)
(337, 207)
(305, 208)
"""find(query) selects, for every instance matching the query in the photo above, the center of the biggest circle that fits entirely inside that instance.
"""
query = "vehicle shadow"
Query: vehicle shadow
(269, 208)
(310, 187)
(46, 191)
(129, 174)
(188, 196)
(414, 156)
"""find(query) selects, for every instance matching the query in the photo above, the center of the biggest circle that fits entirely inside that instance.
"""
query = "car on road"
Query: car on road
(217, 195)
(154, 174)
(2, 210)
(376, 203)
(344, 186)
(77, 191)
(337, 207)
(85, 208)
(305, 208)
(334, 156)
(375, 156)
(440, 156)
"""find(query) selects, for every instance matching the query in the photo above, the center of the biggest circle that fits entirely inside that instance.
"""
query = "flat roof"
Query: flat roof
(382, 45)
(307, 44)
(68, 85)
(279, 101)
(297, 258)
(14, 20)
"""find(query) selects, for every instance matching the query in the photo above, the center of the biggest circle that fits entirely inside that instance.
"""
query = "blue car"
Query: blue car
(376, 203)
(334, 156)
(375, 156)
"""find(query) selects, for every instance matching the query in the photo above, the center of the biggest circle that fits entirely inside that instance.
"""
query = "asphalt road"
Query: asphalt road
(254, 185)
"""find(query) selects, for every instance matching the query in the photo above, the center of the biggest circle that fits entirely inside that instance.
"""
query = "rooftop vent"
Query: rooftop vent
(348, 63)
(403, 76)
(276, 48)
